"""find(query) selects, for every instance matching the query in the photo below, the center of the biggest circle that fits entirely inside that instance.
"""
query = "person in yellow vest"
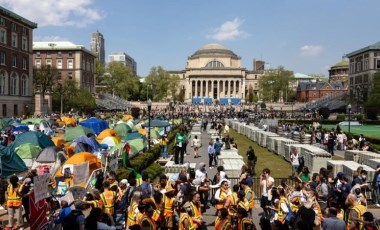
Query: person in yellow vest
(222, 221)
(145, 221)
(93, 198)
(196, 210)
(114, 185)
(282, 209)
(168, 203)
(249, 196)
(133, 210)
(244, 222)
(242, 201)
(221, 195)
(232, 201)
(185, 220)
(317, 209)
(355, 213)
(164, 146)
(108, 198)
(13, 198)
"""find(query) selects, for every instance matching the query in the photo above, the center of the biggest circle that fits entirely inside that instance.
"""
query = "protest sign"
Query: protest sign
(81, 172)
(38, 219)
(41, 184)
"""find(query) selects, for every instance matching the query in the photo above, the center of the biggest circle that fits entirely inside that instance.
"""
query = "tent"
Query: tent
(50, 157)
(134, 135)
(156, 123)
(107, 133)
(89, 143)
(96, 125)
(35, 138)
(11, 163)
(137, 145)
(34, 121)
(122, 129)
(154, 134)
(73, 132)
(27, 152)
(110, 141)
(79, 158)
(58, 141)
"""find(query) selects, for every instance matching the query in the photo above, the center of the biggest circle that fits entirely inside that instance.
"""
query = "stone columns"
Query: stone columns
(196, 88)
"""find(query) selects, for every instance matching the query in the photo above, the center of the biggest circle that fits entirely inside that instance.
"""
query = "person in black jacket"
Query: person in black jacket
(376, 186)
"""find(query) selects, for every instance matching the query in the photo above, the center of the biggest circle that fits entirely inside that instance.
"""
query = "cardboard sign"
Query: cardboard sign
(41, 184)
(81, 172)
(38, 219)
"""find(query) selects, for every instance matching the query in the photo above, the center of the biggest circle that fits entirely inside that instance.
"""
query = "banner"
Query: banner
(81, 172)
(38, 209)
(41, 184)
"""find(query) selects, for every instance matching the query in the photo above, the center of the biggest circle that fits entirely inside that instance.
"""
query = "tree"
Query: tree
(324, 112)
(120, 80)
(374, 97)
(251, 97)
(44, 78)
(275, 84)
(162, 84)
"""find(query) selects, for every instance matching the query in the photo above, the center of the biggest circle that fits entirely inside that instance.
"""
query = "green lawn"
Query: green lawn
(265, 159)
(367, 130)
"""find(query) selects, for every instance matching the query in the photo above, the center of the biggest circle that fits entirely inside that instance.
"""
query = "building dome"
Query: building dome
(341, 64)
(213, 50)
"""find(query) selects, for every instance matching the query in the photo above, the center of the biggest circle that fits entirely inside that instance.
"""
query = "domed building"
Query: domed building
(214, 73)
(339, 72)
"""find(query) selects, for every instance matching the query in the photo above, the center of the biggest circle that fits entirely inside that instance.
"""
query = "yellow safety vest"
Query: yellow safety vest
(360, 210)
(252, 200)
(152, 224)
(14, 200)
(196, 212)
(233, 204)
(242, 222)
(132, 218)
(222, 197)
(108, 198)
(168, 206)
(182, 217)
(222, 224)
(280, 213)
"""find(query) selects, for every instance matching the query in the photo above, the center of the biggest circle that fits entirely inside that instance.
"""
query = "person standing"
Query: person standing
(332, 222)
(211, 154)
(266, 183)
(164, 146)
(222, 221)
(14, 202)
(331, 143)
(180, 143)
(376, 186)
(252, 159)
(108, 198)
(294, 158)
(196, 145)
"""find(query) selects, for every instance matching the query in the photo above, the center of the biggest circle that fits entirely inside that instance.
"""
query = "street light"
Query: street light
(349, 117)
(60, 90)
(149, 102)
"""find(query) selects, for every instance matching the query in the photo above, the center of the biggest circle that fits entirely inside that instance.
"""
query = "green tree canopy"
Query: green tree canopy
(44, 78)
(374, 97)
(275, 84)
(160, 85)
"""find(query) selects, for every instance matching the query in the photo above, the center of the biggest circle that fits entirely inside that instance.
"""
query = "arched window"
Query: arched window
(13, 84)
(3, 82)
(24, 85)
(214, 65)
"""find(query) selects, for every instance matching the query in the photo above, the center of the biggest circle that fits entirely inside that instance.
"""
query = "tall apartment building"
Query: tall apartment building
(97, 46)
(71, 61)
(363, 64)
(16, 69)
(125, 59)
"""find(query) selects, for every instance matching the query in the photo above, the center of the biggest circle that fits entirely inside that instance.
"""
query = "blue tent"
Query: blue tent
(90, 143)
(11, 162)
(132, 136)
(35, 138)
(95, 124)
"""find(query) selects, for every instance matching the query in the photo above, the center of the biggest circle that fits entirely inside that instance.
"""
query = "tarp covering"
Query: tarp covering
(95, 125)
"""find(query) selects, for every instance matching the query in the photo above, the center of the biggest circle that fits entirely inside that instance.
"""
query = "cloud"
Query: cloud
(49, 38)
(77, 13)
(311, 50)
(229, 30)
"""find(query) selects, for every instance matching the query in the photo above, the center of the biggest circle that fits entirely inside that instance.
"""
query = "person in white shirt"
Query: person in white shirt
(267, 183)
(196, 145)
(294, 158)
(201, 172)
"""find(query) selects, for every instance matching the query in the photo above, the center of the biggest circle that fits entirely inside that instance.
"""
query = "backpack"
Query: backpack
(217, 147)
(70, 222)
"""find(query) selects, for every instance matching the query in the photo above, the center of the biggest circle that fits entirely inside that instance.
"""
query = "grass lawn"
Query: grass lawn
(367, 130)
(265, 159)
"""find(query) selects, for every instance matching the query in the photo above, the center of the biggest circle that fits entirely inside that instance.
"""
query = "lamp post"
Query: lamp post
(304, 112)
(60, 90)
(349, 117)
(147, 91)
(149, 102)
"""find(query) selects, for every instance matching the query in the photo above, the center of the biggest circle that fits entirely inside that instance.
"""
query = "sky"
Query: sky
(305, 36)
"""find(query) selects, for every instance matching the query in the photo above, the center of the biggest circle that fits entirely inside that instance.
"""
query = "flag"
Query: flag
(127, 165)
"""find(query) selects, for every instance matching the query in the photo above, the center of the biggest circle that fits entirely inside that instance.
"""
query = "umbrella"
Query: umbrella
(34, 121)
(107, 133)
(156, 123)
(122, 129)
(132, 136)
(73, 132)
(110, 141)
(27, 151)
(137, 145)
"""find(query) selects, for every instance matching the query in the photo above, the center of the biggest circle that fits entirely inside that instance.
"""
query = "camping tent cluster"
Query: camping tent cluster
(83, 143)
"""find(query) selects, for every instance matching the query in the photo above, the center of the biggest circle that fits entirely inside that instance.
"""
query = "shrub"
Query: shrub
(372, 113)
(358, 117)
(341, 117)
(325, 112)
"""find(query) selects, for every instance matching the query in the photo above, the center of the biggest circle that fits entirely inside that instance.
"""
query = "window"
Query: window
(3, 82)
(48, 54)
(38, 54)
(14, 40)
(24, 86)
(2, 58)
(358, 66)
(37, 63)
(59, 54)
(48, 62)
(24, 45)
(3, 36)
(377, 63)
(2, 21)
(14, 61)
(15, 110)
(14, 27)
(24, 63)
(59, 63)
(366, 64)
(4, 110)
(70, 63)
(70, 75)
(70, 54)
(255, 76)
(13, 85)
(214, 64)
(24, 31)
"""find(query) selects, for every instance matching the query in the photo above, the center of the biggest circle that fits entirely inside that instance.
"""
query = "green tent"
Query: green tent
(122, 129)
(34, 121)
(27, 151)
(73, 132)
(154, 134)
(137, 145)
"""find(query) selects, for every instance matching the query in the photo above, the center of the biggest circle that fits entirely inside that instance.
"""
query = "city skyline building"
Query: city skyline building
(124, 58)
(97, 46)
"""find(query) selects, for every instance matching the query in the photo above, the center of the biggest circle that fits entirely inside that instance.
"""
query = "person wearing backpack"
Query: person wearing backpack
(252, 159)
(75, 220)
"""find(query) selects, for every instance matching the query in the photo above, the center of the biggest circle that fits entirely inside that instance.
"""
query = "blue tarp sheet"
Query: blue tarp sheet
(202, 100)
(226, 101)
